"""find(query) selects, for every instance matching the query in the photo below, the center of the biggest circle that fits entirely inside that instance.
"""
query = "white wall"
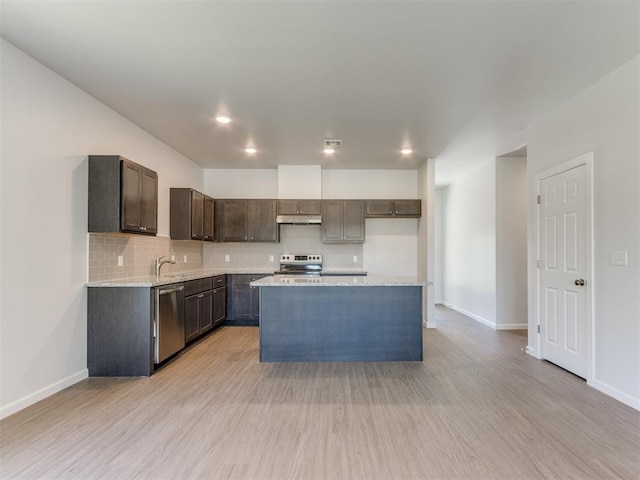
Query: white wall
(469, 238)
(237, 183)
(438, 246)
(391, 247)
(605, 120)
(427, 239)
(391, 244)
(299, 181)
(369, 184)
(511, 242)
(48, 128)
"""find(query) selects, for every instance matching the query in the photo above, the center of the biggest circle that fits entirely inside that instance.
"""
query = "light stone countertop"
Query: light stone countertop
(337, 281)
(342, 271)
(168, 279)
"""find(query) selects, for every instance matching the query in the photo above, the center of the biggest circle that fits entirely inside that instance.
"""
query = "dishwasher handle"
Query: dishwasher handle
(167, 291)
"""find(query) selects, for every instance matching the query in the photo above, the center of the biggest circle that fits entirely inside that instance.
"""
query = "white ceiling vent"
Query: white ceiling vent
(331, 142)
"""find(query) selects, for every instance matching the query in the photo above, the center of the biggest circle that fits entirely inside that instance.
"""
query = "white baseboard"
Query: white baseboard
(615, 393)
(477, 318)
(426, 324)
(489, 323)
(512, 326)
(41, 394)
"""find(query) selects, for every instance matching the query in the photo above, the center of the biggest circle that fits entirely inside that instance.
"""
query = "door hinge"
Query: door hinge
(538, 263)
(538, 199)
(538, 328)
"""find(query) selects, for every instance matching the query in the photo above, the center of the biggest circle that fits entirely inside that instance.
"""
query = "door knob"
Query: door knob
(579, 282)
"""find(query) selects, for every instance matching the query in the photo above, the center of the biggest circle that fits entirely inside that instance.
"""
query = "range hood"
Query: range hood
(299, 219)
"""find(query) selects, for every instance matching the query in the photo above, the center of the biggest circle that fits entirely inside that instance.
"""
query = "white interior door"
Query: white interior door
(563, 269)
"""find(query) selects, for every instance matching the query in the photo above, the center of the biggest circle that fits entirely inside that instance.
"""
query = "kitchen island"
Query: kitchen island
(340, 319)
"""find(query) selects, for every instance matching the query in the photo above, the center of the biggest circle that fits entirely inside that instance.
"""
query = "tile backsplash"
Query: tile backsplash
(138, 255)
(293, 239)
(139, 252)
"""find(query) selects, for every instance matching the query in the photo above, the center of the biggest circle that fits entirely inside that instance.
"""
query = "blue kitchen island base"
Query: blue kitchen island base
(320, 323)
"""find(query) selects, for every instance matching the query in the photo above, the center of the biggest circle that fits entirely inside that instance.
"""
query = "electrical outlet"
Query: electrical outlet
(173, 258)
(355, 259)
(271, 258)
(400, 258)
(227, 258)
(618, 259)
(184, 259)
(120, 260)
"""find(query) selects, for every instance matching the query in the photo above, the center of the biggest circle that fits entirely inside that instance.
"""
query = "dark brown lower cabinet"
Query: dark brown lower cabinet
(197, 313)
(198, 307)
(219, 307)
(243, 300)
(120, 334)
(219, 310)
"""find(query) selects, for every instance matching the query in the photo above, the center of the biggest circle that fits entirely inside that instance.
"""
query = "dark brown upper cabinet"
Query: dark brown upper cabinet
(343, 221)
(299, 207)
(240, 220)
(394, 208)
(191, 215)
(209, 219)
(123, 196)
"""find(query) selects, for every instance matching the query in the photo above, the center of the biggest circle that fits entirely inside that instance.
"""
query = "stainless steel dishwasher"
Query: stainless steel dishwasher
(168, 327)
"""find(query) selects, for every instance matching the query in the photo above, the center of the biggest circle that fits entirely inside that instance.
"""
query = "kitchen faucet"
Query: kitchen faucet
(160, 262)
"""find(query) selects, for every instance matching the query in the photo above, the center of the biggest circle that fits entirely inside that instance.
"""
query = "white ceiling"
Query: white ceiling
(451, 79)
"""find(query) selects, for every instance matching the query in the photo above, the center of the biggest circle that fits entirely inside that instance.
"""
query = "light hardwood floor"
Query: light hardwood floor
(478, 407)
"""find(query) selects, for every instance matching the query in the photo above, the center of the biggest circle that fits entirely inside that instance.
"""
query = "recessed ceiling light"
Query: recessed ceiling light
(250, 150)
(222, 119)
(406, 151)
(329, 151)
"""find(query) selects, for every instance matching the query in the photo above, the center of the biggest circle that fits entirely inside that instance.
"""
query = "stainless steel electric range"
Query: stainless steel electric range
(291, 264)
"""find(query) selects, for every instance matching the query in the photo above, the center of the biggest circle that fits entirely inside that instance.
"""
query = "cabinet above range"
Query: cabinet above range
(123, 196)
(299, 207)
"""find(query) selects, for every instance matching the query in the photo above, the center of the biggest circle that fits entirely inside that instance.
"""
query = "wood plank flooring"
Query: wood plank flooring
(478, 407)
